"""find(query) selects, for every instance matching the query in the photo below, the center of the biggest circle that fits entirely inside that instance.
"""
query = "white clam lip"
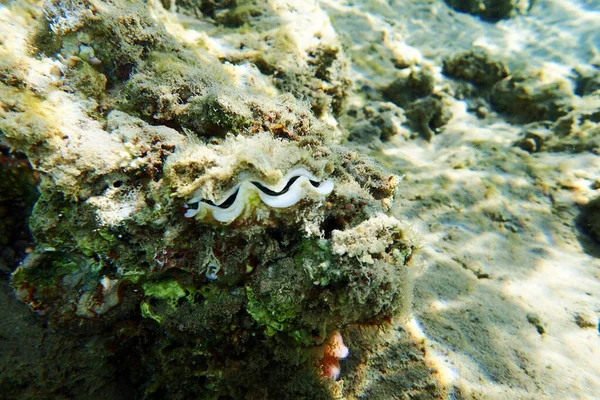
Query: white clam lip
(293, 187)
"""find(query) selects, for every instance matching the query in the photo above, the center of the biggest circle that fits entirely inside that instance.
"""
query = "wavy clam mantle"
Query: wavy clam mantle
(291, 238)
(296, 185)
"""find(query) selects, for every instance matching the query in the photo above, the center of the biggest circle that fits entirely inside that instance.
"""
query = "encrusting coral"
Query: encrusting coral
(290, 241)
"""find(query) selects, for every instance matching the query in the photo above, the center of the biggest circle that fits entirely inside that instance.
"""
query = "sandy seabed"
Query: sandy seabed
(508, 300)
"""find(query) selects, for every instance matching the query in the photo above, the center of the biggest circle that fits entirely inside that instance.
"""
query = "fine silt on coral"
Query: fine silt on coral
(214, 232)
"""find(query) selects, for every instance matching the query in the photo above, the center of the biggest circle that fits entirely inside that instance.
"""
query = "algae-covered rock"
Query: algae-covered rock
(295, 48)
(476, 67)
(491, 10)
(209, 230)
(576, 132)
(570, 123)
(587, 81)
(529, 97)
(381, 120)
(406, 89)
(230, 13)
(425, 108)
(428, 115)
(114, 36)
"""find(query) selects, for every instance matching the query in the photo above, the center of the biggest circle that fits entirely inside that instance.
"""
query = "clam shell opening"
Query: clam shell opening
(293, 187)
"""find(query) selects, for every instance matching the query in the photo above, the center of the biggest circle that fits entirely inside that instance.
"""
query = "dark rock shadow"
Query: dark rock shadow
(588, 224)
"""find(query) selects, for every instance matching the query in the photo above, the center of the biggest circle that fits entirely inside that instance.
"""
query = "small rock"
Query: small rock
(529, 98)
(587, 82)
(534, 320)
(585, 320)
(476, 67)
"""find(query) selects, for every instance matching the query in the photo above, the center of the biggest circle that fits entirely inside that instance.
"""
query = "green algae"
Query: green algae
(165, 290)
(273, 315)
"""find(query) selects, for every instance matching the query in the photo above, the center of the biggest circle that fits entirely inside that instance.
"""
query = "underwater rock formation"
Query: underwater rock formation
(425, 108)
(476, 67)
(212, 231)
(378, 119)
(528, 97)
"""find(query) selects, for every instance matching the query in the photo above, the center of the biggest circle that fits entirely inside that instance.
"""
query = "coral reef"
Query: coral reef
(300, 55)
(212, 232)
